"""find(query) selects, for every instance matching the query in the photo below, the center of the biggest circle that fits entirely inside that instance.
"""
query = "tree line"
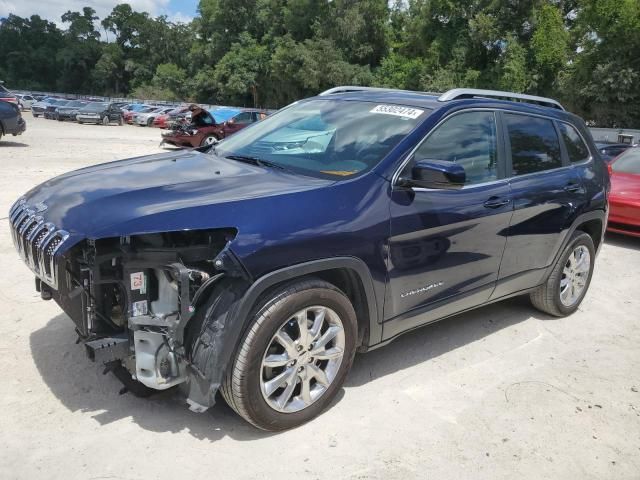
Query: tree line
(271, 52)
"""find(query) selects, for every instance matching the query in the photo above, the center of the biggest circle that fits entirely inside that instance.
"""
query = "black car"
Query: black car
(609, 151)
(100, 112)
(69, 111)
(50, 110)
(260, 265)
(11, 121)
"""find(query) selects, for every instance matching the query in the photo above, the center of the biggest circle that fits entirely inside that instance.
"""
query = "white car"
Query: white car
(145, 118)
(26, 101)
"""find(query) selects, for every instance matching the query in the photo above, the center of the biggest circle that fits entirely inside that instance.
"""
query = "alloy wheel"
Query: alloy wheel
(575, 275)
(302, 359)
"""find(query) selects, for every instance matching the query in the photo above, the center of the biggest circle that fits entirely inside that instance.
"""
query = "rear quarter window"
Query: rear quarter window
(576, 148)
(535, 146)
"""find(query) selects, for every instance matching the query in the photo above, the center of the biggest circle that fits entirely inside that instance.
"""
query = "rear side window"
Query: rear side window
(576, 149)
(534, 144)
(468, 139)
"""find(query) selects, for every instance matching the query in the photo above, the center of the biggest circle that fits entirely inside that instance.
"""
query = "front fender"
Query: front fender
(216, 331)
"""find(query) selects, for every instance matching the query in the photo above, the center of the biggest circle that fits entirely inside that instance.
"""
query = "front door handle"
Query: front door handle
(496, 202)
(572, 187)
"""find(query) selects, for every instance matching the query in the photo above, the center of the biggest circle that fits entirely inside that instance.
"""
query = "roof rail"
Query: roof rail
(349, 88)
(458, 93)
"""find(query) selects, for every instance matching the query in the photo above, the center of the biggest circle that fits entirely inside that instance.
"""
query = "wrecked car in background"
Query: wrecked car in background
(211, 126)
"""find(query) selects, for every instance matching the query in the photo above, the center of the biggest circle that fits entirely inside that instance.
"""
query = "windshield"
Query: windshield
(628, 162)
(95, 107)
(326, 138)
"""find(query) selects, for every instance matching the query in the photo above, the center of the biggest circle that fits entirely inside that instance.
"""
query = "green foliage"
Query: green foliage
(272, 52)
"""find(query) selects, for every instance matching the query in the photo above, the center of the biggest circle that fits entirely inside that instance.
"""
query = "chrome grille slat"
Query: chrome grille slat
(37, 242)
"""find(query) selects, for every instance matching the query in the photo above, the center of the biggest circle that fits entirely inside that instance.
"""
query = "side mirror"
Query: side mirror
(231, 121)
(440, 174)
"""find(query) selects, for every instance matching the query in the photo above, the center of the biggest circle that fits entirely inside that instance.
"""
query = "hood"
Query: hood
(170, 191)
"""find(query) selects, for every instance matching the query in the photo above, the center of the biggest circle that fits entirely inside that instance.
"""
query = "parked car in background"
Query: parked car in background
(70, 110)
(38, 108)
(609, 151)
(168, 119)
(11, 121)
(50, 110)
(100, 112)
(211, 126)
(129, 114)
(624, 199)
(145, 119)
(25, 101)
(7, 96)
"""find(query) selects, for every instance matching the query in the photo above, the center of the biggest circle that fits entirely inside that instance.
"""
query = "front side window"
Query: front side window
(326, 138)
(576, 149)
(534, 144)
(468, 139)
(243, 118)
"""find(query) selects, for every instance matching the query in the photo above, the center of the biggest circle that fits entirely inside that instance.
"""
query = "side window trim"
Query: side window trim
(500, 150)
(564, 153)
(506, 144)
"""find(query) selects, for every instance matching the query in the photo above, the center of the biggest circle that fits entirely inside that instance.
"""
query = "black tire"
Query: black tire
(105, 120)
(546, 297)
(241, 386)
(149, 122)
(120, 121)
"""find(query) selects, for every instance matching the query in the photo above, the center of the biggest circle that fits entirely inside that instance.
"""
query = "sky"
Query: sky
(176, 10)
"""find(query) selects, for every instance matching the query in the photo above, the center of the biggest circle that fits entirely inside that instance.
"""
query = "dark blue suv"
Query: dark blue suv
(260, 265)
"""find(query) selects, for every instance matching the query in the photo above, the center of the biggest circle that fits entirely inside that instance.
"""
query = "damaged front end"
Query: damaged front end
(133, 298)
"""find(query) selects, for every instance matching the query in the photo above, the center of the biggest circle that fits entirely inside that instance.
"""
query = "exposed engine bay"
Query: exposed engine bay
(131, 299)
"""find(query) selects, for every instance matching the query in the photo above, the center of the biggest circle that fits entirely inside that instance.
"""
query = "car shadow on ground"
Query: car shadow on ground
(5, 143)
(80, 385)
(431, 341)
(622, 241)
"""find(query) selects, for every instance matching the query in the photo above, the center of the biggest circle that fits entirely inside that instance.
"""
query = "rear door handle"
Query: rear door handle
(496, 202)
(572, 187)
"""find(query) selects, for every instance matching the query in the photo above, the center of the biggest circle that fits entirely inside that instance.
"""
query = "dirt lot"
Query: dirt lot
(500, 393)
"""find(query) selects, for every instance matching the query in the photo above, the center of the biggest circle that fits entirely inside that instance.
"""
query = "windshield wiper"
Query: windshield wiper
(255, 161)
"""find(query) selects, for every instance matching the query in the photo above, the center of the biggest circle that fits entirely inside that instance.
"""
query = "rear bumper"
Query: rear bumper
(84, 119)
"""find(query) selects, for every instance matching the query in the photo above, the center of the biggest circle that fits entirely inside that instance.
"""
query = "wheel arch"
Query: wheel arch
(232, 303)
(350, 274)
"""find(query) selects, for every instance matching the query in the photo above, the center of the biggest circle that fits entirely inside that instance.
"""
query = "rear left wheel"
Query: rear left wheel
(295, 356)
(570, 278)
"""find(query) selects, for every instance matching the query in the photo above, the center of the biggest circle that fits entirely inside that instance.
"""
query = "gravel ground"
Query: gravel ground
(503, 392)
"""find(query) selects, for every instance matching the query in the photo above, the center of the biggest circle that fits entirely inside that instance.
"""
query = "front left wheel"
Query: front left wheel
(295, 356)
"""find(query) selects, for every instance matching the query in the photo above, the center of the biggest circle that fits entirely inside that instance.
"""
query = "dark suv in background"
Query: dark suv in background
(11, 121)
(260, 265)
(100, 113)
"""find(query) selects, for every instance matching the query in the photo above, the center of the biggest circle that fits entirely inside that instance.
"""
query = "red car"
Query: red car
(624, 199)
(166, 120)
(212, 125)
